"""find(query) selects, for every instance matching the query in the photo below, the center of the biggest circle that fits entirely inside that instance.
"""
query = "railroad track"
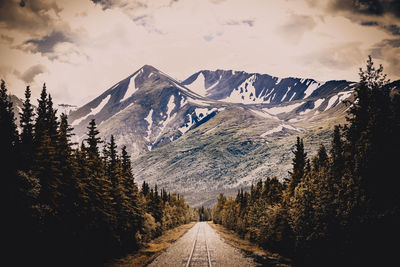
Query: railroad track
(200, 254)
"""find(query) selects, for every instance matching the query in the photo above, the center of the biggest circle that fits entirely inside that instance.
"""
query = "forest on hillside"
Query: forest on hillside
(72, 204)
(340, 207)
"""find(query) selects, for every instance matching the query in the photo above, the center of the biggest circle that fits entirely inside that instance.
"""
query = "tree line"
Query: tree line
(340, 207)
(70, 204)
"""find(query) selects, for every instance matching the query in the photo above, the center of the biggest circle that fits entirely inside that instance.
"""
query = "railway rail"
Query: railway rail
(200, 253)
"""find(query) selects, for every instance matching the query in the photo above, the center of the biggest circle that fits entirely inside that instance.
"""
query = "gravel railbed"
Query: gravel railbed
(221, 253)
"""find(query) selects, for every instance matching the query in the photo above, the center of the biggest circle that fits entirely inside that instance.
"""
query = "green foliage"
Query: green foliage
(26, 123)
(344, 208)
(74, 203)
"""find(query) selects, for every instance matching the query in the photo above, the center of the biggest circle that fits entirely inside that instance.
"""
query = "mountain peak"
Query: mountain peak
(148, 68)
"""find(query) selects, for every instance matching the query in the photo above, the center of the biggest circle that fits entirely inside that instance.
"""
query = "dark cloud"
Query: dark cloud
(392, 28)
(46, 44)
(29, 75)
(394, 42)
(384, 14)
(369, 23)
(30, 16)
(106, 4)
(367, 7)
(124, 4)
(388, 51)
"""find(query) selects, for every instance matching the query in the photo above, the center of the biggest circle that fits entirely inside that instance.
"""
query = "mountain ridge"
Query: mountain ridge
(203, 142)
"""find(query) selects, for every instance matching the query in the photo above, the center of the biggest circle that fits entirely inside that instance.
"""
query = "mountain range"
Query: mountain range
(216, 131)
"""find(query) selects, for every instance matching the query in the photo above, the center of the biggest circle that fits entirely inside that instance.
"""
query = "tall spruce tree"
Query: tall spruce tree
(336, 154)
(68, 166)
(8, 134)
(46, 163)
(299, 164)
(320, 161)
(26, 123)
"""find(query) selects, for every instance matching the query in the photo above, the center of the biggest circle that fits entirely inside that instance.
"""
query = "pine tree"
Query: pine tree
(93, 140)
(41, 118)
(26, 123)
(8, 134)
(46, 163)
(320, 161)
(299, 164)
(369, 140)
(145, 188)
(68, 166)
(9, 189)
(336, 154)
(126, 162)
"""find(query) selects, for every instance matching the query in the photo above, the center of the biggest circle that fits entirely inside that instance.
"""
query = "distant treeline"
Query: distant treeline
(72, 206)
(342, 208)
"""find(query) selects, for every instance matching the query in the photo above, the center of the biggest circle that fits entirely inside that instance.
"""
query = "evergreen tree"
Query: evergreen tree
(320, 161)
(26, 123)
(93, 140)
(46, 163)
(299, 164)
(145, 188)
(41, 118)
(126, 162)
(68, 166)
(8, 134)
(336, 153)
(8, 165)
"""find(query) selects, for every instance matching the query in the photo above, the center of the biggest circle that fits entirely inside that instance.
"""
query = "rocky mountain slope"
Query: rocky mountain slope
(254, 88)
(146, 110)
(215, 132)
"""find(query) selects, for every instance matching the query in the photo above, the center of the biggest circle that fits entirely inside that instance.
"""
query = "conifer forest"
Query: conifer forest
(339, 207)
(73, 206)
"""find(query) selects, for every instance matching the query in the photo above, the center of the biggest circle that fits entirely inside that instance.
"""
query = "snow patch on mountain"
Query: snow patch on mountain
(311, 88)
(245, 93)
(338, 98)
(316, 106)
(169, 118)
(282, 109)
(149, 119)
(131, 89)
(93, 111)
(183, 102)
(264, 114)
(197, 116)
(280, 128)
(199, 102)
(198, 85)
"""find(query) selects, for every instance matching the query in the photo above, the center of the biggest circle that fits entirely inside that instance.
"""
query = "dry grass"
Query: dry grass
(266, 258)
(153, 249)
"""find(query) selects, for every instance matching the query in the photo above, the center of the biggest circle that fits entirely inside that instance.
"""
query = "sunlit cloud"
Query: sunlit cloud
(80, 48)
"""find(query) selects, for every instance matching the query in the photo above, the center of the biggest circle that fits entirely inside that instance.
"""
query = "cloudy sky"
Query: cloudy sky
(82, 47)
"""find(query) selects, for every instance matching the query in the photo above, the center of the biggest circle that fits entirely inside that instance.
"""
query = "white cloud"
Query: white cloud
(282, 38)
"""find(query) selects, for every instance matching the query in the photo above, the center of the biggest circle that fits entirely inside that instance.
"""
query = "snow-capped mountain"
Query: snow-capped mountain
(145, 110)
(254, 88)
(66, 108)
(216, 131)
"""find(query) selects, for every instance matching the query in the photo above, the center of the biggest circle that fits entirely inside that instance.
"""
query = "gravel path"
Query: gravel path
(221, 253)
